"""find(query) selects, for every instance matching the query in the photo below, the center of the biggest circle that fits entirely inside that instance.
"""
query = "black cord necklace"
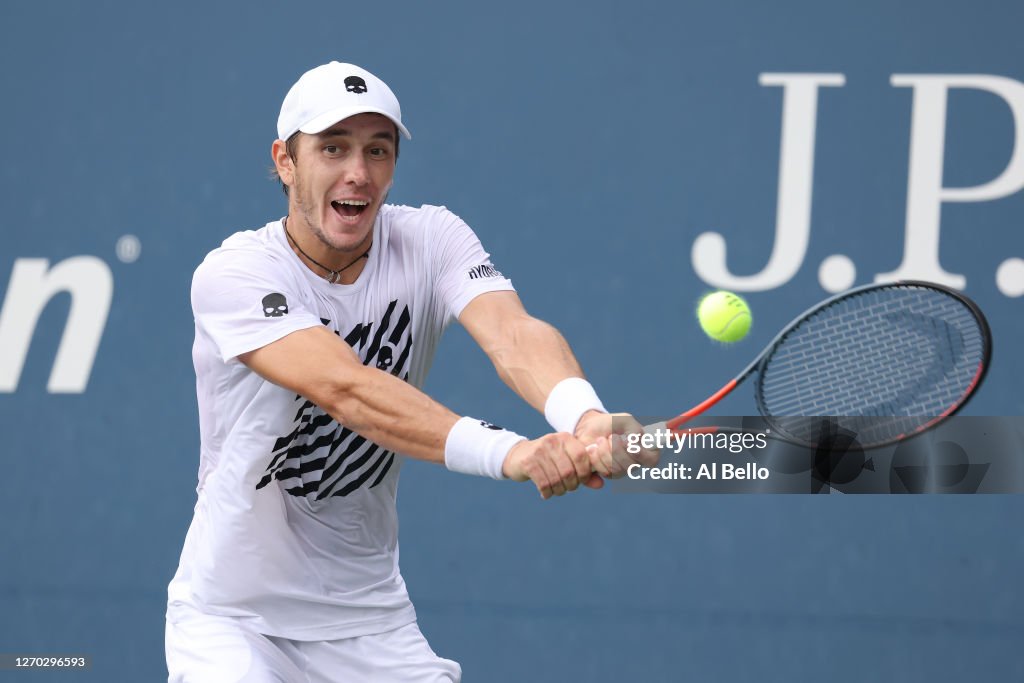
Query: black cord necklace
(335, 275)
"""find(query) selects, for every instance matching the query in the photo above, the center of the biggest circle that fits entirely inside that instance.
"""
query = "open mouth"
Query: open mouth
(349, 208)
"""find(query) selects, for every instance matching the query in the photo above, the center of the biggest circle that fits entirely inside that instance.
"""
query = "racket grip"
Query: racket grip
(654, 428)
(711, 400)
(661, 426)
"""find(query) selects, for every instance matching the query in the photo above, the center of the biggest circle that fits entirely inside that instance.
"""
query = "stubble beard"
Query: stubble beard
(304, 206)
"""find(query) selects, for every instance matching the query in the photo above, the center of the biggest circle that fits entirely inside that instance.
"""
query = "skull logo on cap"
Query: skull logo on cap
(355, 84)
(275, 305)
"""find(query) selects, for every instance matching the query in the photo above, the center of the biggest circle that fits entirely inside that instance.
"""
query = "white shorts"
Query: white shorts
(209, 649)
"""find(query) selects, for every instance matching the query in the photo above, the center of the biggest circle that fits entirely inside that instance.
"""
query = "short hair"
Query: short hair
(291, 145)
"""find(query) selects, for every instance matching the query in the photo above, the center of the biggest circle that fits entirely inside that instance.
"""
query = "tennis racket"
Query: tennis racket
(884, 361)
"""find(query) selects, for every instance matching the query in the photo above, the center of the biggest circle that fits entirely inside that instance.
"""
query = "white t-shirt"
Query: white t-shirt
(295, 529)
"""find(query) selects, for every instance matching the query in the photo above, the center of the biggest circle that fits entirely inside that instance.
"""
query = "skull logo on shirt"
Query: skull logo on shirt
(275, 305)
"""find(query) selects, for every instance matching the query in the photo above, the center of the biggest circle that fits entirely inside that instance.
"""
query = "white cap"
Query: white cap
(332, 92)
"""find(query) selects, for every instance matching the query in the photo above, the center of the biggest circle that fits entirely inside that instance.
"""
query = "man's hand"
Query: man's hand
(607, 435)
(556, 463)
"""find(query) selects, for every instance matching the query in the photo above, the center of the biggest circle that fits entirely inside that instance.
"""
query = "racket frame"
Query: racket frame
(761, 360)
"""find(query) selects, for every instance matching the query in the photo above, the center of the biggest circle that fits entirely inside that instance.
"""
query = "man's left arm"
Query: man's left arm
(533, 358)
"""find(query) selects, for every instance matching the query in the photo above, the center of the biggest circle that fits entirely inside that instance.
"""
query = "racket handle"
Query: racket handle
(711, 400)
(660, 427)
(653, 429)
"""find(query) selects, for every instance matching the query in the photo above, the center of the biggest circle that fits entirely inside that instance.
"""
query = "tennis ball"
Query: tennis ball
(724, 316)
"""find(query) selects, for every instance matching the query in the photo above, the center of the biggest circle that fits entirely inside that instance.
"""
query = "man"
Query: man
(313, 335)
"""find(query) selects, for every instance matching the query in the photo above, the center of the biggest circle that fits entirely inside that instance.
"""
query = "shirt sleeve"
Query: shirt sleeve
(463, 269)
(242, 300)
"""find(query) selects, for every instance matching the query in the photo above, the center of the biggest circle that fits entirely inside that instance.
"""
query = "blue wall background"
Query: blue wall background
(589, 145)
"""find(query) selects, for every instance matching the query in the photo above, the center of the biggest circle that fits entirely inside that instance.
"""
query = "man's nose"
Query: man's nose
(356, 171)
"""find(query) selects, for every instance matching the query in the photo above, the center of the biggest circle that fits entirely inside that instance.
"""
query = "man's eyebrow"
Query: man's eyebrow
(343, 132)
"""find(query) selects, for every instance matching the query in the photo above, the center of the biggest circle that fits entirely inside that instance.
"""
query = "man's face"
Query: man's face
(340, 178)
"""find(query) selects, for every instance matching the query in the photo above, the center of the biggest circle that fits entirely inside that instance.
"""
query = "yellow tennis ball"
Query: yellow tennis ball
(724, 316)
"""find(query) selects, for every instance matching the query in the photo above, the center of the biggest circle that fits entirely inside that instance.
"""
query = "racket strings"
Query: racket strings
(886, 361)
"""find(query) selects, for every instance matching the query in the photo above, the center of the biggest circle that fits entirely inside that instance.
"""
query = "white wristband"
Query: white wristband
(568, 401)
(477, 447)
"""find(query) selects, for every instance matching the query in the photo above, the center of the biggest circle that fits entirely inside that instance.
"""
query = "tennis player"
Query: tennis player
(313, 335)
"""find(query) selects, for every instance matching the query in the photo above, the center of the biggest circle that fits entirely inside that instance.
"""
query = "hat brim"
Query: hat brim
(328, 119)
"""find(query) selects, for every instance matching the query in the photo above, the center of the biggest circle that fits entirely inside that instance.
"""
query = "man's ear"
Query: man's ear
(284, 164)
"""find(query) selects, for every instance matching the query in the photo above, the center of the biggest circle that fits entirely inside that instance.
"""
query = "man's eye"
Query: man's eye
(331, 149)
(378, 152)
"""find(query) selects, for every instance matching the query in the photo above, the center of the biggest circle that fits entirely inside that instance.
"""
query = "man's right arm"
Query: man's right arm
(318, 365)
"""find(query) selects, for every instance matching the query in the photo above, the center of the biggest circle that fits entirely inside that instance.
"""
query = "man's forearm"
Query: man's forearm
(392, 413)
(316, 364)
(533, 359)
